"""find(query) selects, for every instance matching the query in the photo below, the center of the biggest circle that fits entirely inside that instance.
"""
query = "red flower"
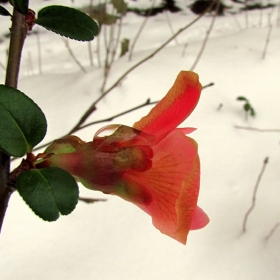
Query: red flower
(153, 165)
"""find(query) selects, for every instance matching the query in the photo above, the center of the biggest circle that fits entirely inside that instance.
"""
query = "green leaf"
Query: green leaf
(247, 107)
(68, 22)
(242, 98)
(48, 192)
(22, 6)
(4, 12)
(252, 112)
(23, 125)
(124, 46)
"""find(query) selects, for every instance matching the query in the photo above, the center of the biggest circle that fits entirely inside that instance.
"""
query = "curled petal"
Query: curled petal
(200, 219)
(122, 135)
(187, 130)
(174, 108)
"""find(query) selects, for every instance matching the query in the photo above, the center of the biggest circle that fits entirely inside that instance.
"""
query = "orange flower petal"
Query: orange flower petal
(200, 219)
(174, 108)
(173, 183)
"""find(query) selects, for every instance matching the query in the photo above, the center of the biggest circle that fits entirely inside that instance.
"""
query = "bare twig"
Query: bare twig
(111, 50)
(90, 53)
(261, 17)
(237, 22)
(254, 195)
(257, 129)
(117, 41)
(39, 52)
(170, 26)
(73, 55)
(268, 35)
(30, 63)
(141, 29)
(207, 36)
(272, 231)
(184, 49)
(209, 85)
(92, 107)
(146, 59)
(147, 103)
(98, 50)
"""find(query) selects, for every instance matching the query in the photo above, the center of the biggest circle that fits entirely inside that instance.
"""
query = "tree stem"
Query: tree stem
(18, 34)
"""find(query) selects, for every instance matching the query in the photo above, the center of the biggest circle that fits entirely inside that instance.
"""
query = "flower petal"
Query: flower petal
(174, 108)
(200, 219)
(173, 182)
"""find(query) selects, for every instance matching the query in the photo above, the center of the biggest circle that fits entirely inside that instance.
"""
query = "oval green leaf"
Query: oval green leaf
(4, 12)
(23, 124)
(48, 192)
(68, 22)
(22, 6)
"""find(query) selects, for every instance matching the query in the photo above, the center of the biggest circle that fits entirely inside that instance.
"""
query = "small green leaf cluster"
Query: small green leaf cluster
(247, 107)
(49, 191)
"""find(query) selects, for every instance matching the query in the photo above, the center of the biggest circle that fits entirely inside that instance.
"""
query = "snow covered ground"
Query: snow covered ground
(114, 239)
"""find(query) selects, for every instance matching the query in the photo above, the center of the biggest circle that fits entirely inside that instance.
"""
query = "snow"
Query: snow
(114, 239)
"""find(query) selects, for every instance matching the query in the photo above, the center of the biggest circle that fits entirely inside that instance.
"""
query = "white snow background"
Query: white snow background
(116, 240)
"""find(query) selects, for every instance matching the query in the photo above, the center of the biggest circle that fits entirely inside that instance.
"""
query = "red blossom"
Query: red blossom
(153, 165)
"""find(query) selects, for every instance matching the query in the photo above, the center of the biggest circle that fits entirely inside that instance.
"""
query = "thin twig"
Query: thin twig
(120, 114)
(39, 51)
(90, 53)
(207, 36)
(261, 17)
(111, 50)
(73, 55)
(237, 22)
(93, 105)
(30, 63)
(117, 41)
(98, 49)
(147, 103)
(268, 35)
(254, 195)
(170, 26)
(257, 129)
(184, 49)
(140, 30)
(272, 231)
